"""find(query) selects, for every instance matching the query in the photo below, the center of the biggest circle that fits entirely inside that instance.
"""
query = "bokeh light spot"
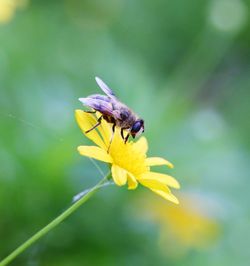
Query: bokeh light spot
(228, 15)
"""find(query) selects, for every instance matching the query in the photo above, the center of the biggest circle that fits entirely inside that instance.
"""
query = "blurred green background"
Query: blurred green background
(184, 67)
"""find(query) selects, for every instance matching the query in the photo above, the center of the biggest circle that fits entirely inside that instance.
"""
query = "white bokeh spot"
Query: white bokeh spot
(228, 15)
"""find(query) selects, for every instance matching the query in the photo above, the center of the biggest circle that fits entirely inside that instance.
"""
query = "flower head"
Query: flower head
(9, 7)
(129, 162)
(194, 224)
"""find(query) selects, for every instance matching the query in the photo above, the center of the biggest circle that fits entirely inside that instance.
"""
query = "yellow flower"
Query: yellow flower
(129, 163)
(191, 225)
(8, 9)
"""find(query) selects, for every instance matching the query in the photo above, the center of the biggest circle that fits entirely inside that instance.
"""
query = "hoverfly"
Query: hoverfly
(114, 112)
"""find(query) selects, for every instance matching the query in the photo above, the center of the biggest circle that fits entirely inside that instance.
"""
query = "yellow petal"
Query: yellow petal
(141, 145)
(166, 195)
(106, 131)
(154, 184)
(153, 161)
(119, 175)
(95, 152)
(160, 189)
(87, 121)
(162, 178)
(132, 183)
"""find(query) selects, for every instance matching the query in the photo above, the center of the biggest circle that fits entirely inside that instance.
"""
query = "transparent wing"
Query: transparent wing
(105, 88)
(100, 97)
(99, 105)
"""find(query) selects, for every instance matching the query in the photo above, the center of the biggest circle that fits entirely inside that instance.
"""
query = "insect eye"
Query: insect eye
(137, 126)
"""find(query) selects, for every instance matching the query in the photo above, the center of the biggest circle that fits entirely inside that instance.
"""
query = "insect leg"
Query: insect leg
(122, 133)
(126, 138)
(112, 136)
(96, 125)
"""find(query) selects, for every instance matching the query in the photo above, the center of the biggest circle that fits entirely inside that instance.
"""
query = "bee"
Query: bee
(114, 112)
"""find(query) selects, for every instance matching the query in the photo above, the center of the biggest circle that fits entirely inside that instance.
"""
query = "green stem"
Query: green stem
(54, 223)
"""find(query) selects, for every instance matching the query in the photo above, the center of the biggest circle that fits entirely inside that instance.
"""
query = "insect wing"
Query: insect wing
(105, 87)
(100, 97)
(98, 105)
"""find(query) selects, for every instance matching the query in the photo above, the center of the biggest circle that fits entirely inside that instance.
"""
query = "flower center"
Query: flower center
(127, 156)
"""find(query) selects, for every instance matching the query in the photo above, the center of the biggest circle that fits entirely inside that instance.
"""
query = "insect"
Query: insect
(114, 112)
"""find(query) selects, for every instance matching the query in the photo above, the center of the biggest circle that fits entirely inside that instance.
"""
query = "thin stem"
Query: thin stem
(54, 223)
